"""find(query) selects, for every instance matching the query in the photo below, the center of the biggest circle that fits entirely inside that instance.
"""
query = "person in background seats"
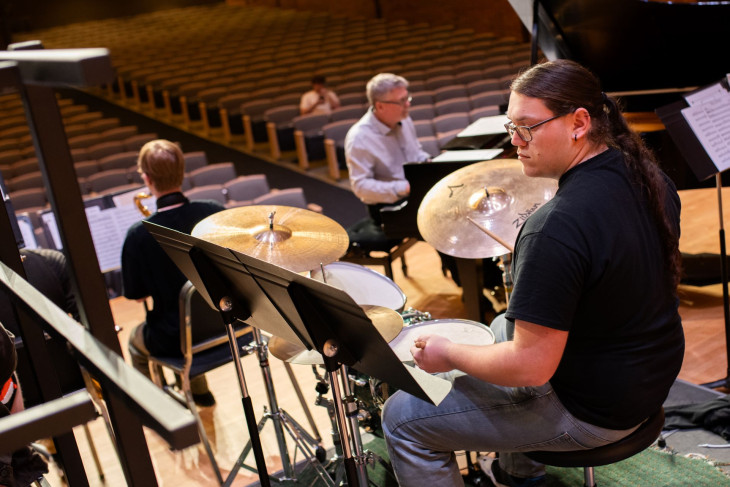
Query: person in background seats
(592, 340)
(319, 99)
(147, 271)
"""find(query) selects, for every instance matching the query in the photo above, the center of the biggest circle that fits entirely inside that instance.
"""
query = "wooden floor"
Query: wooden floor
(427, 290)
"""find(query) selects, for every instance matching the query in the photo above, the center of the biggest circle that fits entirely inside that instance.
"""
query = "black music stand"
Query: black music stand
(300, 310)
(704, 167)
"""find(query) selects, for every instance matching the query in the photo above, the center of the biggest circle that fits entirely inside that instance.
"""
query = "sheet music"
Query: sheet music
(108, 231)
(709, 118)
(435, 387)
(49, 220)
(467, 155)
(26, 231)
(486, 126)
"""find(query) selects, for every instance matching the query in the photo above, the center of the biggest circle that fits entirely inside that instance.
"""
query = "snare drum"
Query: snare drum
(364, 285)
(458, 331)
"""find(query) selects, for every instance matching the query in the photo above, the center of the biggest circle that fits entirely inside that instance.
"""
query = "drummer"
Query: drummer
(591, 340)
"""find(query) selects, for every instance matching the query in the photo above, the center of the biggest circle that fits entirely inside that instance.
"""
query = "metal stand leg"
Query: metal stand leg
(283, 422)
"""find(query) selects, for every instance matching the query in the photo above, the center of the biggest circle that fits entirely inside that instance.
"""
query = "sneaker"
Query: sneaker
(499, 478)
(205, 399)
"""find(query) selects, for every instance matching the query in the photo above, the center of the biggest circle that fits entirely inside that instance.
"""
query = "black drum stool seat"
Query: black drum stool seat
(625, 448)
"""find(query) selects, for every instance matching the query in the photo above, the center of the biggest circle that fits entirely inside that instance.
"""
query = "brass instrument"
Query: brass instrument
(140, 206)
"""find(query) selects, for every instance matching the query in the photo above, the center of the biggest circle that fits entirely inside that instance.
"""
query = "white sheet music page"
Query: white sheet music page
(486, 126)
(467, 155)
(709, 118)
(435, 387)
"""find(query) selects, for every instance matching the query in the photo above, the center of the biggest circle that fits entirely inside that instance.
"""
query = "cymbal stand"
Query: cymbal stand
(363, 458)
(505, 265)
(282, 422)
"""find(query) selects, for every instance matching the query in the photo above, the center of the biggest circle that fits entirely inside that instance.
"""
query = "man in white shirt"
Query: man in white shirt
(319, 99)
(378, 145)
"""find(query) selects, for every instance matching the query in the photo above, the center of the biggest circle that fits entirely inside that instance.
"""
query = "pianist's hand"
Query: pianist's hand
(431, 353)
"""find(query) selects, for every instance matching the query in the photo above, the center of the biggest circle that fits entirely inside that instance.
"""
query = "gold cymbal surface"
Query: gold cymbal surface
(494, 194)
(293, 238)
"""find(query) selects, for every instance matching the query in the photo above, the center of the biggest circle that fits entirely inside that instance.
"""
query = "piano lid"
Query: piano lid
(636, 44)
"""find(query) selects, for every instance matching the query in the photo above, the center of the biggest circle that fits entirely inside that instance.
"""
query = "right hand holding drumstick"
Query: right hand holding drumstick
(431, 353)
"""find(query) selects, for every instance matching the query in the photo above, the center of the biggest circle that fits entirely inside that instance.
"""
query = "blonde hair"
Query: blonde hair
(163, 163)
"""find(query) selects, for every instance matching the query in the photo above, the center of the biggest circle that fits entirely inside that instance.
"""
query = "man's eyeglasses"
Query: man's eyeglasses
(400, 102)
(524, 131)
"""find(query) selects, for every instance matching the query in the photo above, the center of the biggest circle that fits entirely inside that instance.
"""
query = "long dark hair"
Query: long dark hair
(565, 86)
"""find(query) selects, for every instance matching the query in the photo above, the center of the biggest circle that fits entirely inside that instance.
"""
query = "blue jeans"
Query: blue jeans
(478, 416)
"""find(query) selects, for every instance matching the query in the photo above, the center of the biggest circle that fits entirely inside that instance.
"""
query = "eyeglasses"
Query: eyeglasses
(524, 131)
(401, 102)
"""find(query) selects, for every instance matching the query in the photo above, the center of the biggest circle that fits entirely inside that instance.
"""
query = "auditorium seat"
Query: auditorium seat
(436, 82)
(218, 173)
(25, 199)
(121, 160)
(424, 128)
(119, 133)
(449, 92)
(86, 168)
(421, 98)
(489, 98)
(280, 128)
(135, 142)
(103, 180)
(308, 137)
(208, 192)
(450, 122)
(486, 111)
(454, 105)
(26, 181)
(103, 149)
(194, 160)
(346, 112)
(24, 166)
(483, 85)
(254, 127)
(334, 145)
(244, 189)
(287, 197)
(422, 112)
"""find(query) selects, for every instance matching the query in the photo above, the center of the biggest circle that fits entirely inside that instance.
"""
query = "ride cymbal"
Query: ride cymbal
(293, 238)
(387, 321)
(495, 195)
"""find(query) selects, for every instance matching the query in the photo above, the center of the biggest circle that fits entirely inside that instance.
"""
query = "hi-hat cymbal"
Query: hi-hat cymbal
(494, 194)
(292, 238)
(387, 321)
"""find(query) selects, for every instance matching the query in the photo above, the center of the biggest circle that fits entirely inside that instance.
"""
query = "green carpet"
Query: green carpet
(650, 468)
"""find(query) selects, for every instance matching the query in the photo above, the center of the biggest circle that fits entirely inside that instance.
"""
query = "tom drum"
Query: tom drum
(364, 285)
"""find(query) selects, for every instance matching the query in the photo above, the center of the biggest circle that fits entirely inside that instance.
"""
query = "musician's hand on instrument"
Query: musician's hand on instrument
(430, 352)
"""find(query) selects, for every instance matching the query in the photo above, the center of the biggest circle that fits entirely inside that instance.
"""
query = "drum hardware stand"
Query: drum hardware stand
(364, 457)
(282, 421)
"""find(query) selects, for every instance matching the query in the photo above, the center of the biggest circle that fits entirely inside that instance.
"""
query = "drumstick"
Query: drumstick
(495, 237)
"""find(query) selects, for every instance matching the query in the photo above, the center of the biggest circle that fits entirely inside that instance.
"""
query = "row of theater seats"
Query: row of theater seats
(250, 59)
(321, 136)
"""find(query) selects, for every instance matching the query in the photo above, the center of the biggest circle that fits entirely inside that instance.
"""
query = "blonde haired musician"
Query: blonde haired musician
(148, 272)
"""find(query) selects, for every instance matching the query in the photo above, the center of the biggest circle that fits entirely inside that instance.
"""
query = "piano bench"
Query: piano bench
(364, 255)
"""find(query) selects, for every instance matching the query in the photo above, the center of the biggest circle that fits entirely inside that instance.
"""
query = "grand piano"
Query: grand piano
(648, 53)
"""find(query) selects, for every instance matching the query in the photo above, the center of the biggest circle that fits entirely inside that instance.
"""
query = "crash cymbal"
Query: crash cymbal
(292, 238)
(495, 195)
(387, 321)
